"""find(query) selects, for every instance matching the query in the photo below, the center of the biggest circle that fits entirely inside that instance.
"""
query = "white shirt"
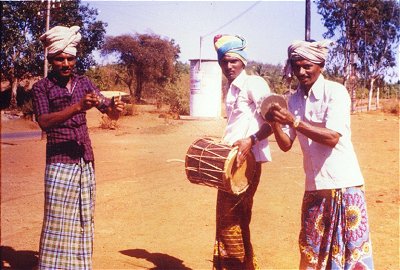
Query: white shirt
(328, 106)
(244, 95)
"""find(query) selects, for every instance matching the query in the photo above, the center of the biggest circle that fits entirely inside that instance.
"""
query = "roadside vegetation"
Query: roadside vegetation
(147, 66)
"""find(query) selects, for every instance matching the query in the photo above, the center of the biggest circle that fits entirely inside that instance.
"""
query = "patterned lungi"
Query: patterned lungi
(233, 249)
(68, 228)
(334, 230)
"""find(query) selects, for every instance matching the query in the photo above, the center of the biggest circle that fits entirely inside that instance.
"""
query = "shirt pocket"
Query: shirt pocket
(244, 104)
(317, 115)
(59, 100)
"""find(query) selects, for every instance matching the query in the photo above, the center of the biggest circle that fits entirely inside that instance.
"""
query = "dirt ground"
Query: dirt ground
(149, 216)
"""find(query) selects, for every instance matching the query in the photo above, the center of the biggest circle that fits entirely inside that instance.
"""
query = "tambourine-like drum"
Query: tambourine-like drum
(267, 102)
(213, 164)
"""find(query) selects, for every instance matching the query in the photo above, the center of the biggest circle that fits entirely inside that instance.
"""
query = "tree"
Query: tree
(145, 59)
(368, 37)
(23, 23)
(272, 74)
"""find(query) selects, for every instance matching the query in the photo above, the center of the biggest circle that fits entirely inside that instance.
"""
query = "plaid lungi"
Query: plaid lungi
(233, 248)
(334, 230)
(67, 235)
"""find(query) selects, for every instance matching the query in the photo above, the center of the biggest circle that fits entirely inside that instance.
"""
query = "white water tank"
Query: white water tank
(205, 88)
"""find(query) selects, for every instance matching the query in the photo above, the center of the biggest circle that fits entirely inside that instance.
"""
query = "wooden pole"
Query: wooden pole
(46, 62)
(308, 20)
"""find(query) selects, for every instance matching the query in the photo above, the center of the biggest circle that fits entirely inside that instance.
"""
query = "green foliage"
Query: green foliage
(271, 73)
(19, 43)
(25, 21)
(106, 78)
(368, 29)
(146, 61)
(177, 94)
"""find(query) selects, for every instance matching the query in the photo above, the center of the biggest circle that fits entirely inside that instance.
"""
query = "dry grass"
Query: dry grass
(391, 106)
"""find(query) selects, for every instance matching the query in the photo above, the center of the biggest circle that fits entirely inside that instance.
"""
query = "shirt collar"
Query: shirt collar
(54, 80)
(240, 80)
(317, 89)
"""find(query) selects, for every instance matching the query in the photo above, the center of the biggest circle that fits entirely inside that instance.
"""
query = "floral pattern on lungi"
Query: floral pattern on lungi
(334, 232)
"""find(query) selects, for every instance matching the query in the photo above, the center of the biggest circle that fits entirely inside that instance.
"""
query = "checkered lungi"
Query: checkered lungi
(334, 230)
(68, 228)
(233, 248)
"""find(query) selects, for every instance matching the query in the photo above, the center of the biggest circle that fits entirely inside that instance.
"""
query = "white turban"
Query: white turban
(315, 52)
(61, 39)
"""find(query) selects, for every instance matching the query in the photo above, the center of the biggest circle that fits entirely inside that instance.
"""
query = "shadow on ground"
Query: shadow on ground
(18, 259)
(160, 260)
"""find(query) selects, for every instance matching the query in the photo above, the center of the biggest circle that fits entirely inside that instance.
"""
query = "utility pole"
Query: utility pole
(308, 20)
(46, 62)
(353, 55)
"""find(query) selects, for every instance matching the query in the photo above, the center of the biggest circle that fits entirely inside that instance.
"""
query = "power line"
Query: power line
(233, 19)
(219, 28)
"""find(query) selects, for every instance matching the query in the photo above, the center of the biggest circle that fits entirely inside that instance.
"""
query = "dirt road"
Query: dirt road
(148, 215)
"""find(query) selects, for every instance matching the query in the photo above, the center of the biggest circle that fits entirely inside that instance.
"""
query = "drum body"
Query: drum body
(213, 164)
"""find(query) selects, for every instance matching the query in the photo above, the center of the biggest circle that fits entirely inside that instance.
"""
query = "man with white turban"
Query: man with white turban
(61, 39)
(246, 130)
(60, 103)
(334, 224)
(314, 51)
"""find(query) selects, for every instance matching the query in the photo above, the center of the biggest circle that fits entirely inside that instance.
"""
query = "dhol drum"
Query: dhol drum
(267, 102)
(213, 164)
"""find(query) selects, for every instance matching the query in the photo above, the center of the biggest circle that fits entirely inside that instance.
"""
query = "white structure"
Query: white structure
(205, 88)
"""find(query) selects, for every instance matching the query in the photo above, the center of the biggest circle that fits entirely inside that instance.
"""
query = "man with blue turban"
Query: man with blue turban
(334, 222)
(246, 130)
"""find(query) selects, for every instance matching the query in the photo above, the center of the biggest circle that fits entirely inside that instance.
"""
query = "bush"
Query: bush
(176, 96)
(130, 109)
(27, 109)
(391, 106)
(107, 123)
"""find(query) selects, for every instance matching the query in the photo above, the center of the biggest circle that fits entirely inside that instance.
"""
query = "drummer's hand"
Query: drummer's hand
(280, 115)
(244, 148)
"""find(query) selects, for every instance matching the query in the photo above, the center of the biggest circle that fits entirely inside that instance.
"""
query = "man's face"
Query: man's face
(63, 64)
(231, 67)
(306, 72)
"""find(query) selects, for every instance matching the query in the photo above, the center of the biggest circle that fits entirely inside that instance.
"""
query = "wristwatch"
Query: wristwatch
(254, 139)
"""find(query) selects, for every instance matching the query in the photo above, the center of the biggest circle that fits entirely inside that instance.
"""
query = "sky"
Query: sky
(268, 26)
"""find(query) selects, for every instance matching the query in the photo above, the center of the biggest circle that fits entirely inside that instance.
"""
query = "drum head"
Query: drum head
(267, 102)
(230, 164)
(240, 178)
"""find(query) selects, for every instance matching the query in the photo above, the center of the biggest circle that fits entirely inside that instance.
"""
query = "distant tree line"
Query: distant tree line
(367, 42)
(147, 66)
